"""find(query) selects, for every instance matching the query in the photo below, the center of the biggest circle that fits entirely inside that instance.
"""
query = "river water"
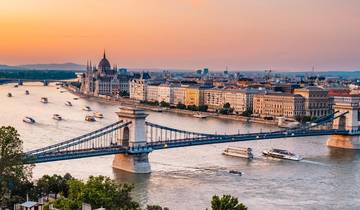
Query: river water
(186, 178)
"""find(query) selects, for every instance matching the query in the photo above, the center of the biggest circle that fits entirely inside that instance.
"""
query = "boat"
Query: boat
(243, 152)
(201, 116)
(75, 98)
(236, 172)
(44, 100)
(68, 103)
(57, 117)
(27, 92)
(98, 115)
(281, 154)
(29, 120)
(9, 95)
(90, 118)
(86, 108)
(287, 123)
(15, 86)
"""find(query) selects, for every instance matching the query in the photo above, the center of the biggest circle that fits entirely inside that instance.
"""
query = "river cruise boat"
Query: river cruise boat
(242, 152)
(29, 120)
(236, 172)
(90, 118)
(98, 115)
(281, 154)
(68, 103)
(86, 108)
(57, 117)
(27, 92)
(44, 100)
(9, 95)
(201, 116)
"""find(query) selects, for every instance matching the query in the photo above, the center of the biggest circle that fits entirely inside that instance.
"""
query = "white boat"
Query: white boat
(27, 92)
(281, 154)
(57, 117)
(90, 118)
(44, 100)
(198, 115)
(68, 103)
(29, 120)
(287, 123)
(243, 152)
(98, 115)
(9, 95)
(86, 108)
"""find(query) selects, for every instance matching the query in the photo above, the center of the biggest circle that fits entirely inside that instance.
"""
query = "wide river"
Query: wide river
(186, 178)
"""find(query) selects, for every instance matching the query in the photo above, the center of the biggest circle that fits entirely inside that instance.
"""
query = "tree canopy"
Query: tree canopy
(226, 202)
(13, 173)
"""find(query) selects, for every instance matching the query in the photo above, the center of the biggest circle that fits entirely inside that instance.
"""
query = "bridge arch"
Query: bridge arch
(125, 137)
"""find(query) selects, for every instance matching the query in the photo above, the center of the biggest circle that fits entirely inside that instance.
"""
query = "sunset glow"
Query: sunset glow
(187, 34)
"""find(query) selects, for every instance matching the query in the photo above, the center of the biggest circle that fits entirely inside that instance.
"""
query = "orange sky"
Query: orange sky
(241, 34)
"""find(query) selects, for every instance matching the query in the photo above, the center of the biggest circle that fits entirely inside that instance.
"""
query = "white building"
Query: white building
(179, 95)
(152, 93)
(138, 88)
(166, 93)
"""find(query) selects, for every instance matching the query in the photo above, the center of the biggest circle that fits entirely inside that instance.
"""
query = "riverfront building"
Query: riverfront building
(278, 105)
(316, 101)
(104, 80)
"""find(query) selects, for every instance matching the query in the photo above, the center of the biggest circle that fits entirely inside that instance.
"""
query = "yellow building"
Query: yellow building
(316, 101)
(193, 96)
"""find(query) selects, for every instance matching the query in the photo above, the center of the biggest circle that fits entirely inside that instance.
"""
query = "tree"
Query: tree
(53, 184)
(226, 202)
(13, 173)
(99, 192)
(180, 106)
(203, 108)
(226, 106)
(156, 207)
(164, 104)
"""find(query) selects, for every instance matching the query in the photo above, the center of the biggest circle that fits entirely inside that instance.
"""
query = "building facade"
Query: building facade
(316, 101)
(214, 98)
(278, 105)
(103, 80)
(179, 95)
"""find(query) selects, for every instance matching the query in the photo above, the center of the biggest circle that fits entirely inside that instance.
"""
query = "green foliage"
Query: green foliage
(164, 104)
(37, 74)
(14, 175)
(98, 192)
(226, 106)
(203, 108)
(53, 184)
(247, 113)
(156, 207)
(151, 103)
(192, 108)
(180, 106)
(226, 202)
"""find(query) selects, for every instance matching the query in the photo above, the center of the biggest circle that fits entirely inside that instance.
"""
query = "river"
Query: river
(186, 178)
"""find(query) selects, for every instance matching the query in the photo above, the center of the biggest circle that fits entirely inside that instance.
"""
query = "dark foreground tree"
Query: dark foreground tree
(14, 175)
(156, 207)
(226, 202)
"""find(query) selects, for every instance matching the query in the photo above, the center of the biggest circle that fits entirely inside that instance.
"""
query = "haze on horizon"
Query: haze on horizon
(187, 34)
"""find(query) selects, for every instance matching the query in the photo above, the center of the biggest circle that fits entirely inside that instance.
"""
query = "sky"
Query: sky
(184, 34)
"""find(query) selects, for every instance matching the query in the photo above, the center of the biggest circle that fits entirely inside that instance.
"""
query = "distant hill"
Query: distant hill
(54, 66)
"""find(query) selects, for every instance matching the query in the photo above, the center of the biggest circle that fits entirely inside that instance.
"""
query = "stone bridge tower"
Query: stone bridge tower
(350, 121)
(131, 136)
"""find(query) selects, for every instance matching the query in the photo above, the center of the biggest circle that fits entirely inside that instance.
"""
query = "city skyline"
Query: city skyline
(243, 35)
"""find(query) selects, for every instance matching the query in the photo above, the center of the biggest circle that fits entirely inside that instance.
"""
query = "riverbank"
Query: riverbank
(133, 103)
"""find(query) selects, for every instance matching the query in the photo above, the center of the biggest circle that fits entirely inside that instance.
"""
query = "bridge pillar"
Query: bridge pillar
(350, 122)
(131, 136)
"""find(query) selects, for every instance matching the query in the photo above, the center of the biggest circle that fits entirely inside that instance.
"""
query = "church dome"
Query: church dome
(104, 63)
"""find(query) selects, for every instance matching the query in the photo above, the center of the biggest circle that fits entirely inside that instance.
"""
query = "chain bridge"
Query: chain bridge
(132, 138)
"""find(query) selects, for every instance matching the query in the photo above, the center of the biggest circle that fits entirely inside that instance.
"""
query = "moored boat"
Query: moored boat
(90, 118)
(98, 115)
(68, 103)
(86, 108)
(199, 115)
(243, 152)
(281, 154)
(57, 117)
(29, 120)
(44, 100)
